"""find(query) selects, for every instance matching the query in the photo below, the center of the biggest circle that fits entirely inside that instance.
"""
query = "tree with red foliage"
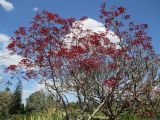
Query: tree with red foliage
(104, 75)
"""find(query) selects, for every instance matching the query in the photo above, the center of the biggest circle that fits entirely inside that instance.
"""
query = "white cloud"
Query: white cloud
(4, 40)
(8, 6)
(98, 27)
(5, 58)
(35, 9)
(29, 88)
(94, 26)
(1, 79)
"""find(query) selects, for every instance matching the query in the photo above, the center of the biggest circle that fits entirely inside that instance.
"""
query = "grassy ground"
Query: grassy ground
(50, 114)
(53, 114)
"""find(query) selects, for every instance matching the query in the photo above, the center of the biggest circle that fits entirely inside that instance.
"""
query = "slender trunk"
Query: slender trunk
(96, 110)
(57, 90)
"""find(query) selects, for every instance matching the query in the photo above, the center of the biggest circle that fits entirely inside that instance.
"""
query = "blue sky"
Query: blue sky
(142, 11)
(16, 13)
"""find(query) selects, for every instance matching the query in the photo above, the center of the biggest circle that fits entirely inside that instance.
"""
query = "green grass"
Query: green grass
(50, 114)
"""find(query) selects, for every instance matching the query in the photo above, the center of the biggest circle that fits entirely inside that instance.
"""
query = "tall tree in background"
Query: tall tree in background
(5, 101)
(39, 101)
(16, 104)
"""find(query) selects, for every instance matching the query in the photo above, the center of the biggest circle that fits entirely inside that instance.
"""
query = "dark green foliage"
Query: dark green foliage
(5, 100)
(39, 101)
(16, 105)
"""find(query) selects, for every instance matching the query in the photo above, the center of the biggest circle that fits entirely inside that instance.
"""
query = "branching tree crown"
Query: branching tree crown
(110, 77)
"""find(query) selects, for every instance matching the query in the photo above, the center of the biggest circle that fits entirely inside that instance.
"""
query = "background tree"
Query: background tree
(16, 104)
(39, 101)
(5, 101)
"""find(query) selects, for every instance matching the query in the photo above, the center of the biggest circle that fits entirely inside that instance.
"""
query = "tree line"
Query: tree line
(11, 102)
